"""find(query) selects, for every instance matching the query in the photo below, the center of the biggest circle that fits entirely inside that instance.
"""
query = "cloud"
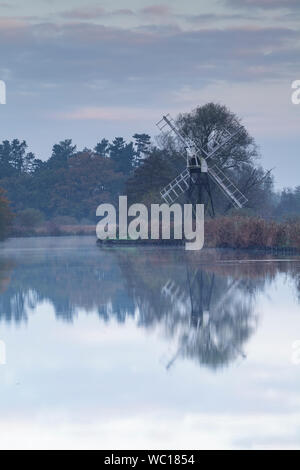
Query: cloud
(133, 73)
(93, 13)
(265, 107)
(12, 23)
(109, 114)
(210, 18)
(162, 427)
(86, 13)
(156, 10)
(265, 4)
(75, 54)
(123, 11)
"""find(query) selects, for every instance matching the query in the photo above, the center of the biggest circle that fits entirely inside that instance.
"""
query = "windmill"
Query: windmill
(212, 330)
(195, 177)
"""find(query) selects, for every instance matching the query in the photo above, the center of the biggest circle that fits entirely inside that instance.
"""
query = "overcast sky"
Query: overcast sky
(87, 70)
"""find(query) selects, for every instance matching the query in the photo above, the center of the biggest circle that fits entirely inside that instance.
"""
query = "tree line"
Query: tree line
(72, 182)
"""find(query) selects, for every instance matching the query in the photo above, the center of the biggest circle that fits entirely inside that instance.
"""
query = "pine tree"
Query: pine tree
(102, 148)
(61, 153)
(122, 154)
(142, 146)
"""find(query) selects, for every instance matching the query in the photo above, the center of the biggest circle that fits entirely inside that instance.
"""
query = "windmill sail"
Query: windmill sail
(181, 183)
(227, 186)
(176, 188)
(169, 121)
(218, 141)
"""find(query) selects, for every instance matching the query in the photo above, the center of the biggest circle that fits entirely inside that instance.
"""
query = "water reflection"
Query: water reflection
(203, 303)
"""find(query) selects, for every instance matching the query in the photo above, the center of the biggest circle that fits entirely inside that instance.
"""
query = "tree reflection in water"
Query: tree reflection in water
(203, 302)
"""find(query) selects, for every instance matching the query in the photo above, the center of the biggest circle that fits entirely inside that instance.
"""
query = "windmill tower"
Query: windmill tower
(196, 176)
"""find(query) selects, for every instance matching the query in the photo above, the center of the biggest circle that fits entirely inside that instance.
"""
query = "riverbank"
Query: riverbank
(252, 232)
(245, 233)
(224, 232)
(52, 230)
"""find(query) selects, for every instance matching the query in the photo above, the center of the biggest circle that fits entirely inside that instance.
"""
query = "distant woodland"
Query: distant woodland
(69, 186)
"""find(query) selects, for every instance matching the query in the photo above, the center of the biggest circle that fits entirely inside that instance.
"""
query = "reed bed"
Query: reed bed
(251, 232)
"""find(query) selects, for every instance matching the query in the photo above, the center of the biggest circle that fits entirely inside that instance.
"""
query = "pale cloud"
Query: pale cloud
(266, 107)
(94, 13)
(12, 23)
(156, 430)
(123, 11)
(109, 114)
(210, 18)
(85, 52)
(265, 4)
(157, 10)
(5, 5)
(85, 13)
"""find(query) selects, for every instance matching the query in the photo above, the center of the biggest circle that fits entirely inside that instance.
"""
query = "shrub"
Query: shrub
(251, 232)
(29, 218)
(294, 234)
(65, 220)
(86, 221)
(52, 229)
(6, 215)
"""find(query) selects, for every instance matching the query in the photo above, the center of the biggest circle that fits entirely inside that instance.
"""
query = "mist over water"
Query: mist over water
(146, 347)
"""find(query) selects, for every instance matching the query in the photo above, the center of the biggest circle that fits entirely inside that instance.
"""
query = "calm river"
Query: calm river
(147, 348)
